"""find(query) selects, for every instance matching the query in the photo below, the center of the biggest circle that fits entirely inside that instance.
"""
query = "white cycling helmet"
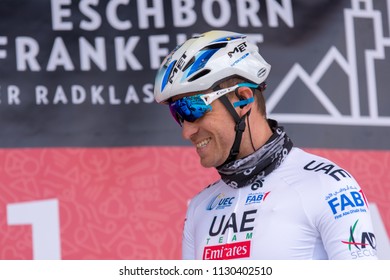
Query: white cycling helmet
(204, 61)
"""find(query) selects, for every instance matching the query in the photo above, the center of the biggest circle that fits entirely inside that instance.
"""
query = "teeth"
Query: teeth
(203, 143)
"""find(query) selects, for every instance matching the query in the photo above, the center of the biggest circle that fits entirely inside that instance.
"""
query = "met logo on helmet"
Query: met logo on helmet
(240, 48)
(178, 66)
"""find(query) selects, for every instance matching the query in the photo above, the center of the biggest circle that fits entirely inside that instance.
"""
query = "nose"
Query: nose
(188, 130)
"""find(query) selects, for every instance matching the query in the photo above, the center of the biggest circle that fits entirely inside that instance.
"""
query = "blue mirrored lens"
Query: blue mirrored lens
(189, 108)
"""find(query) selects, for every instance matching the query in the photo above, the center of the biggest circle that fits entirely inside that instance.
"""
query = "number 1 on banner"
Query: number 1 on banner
(43, 215)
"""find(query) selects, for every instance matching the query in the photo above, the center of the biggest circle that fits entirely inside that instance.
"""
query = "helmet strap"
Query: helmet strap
(239, 128)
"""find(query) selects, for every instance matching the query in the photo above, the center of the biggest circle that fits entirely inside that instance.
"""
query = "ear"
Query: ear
(246, 99)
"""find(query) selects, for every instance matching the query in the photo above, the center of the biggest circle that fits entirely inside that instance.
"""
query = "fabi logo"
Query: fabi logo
(347, 201)
(255, 198)
(360, 245)
(220, 202)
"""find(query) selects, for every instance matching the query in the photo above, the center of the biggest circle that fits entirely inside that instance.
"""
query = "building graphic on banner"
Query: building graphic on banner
(360, 9)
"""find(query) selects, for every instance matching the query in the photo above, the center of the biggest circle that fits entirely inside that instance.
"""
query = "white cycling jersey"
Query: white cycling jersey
(307, 208)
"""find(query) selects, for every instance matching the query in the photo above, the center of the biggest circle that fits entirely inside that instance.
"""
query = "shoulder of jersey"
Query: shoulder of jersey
(302, 167)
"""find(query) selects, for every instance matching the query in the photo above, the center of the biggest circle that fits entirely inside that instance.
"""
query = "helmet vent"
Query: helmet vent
(199, 75)
(215, 46)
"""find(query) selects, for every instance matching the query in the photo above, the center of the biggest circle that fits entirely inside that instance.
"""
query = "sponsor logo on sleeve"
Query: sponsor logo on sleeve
(346, 201)
(361, 244)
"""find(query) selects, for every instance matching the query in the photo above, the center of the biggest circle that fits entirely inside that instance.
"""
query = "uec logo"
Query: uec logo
(220, 202)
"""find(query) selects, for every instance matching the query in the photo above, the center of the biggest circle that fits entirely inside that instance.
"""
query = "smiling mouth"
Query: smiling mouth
(203, 143)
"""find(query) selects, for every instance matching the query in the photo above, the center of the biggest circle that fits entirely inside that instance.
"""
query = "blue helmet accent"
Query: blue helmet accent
(166, 75)
(201, 61)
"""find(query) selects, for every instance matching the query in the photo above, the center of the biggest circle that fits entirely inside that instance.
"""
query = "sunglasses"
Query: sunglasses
(191, 108)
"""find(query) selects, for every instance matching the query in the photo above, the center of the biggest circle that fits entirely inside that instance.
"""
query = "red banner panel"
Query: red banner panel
(123, 203)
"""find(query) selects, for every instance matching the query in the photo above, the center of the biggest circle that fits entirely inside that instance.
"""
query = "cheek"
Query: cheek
(220, 124)
(223, 131)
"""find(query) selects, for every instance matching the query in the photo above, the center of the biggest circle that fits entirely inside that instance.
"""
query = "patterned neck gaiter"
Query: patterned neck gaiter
(256, 166)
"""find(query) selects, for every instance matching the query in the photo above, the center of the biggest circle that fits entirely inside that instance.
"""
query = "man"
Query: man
(273, 201)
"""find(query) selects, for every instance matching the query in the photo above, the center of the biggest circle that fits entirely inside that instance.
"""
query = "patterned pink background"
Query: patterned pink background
(129, 203)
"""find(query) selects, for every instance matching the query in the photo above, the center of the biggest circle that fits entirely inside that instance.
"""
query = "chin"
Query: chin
(206, 164)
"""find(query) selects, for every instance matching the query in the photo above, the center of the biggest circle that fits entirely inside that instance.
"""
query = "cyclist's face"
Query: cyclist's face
(212, 135)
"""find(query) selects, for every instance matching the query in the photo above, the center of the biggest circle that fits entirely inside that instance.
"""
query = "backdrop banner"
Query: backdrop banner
(92, 168)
